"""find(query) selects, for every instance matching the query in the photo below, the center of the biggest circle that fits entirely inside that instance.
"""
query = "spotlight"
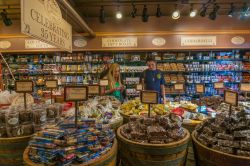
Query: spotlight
(193, 12)
(145, 14)
(231, 12)
(203, 11)
(7, 21)
(134, 11)
(102, 15)
(176, 14)
(118, 14)
(158, 11)
(213, 14)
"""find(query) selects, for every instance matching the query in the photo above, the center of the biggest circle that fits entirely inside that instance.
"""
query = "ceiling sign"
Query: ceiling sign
(198, 41)
(119, 42)
(43, 20)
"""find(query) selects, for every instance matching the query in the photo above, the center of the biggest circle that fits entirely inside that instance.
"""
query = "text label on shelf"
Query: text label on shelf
(93, 89)
(51, 84)
(198, 41)
(245, 87)
(119, 42)
(200, 88)
(219, 85)
(104, 82)
(179, 87)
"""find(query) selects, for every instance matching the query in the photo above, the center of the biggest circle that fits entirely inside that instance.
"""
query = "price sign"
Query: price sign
(179, 87)
(219, 85)
(94, 90)
(104, 82)
(231, 97)
(24, 86)
(75, 93)
(139, 87)
(51, 84)
(149, 97)
(245, 87)
(200, 88)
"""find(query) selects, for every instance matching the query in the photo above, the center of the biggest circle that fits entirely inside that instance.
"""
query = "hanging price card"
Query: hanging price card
(149, 97)
(75, 93)
(51, 84)
(219, 85)
(179, 87)
(93, 89)
(104, 82)
(231, 97)
(200, 88)
(24, 86)
(245, 87)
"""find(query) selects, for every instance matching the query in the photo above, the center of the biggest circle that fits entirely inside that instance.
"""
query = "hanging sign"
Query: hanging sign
(149, 97)
(104, 82)
(93, 89)
(231, 97)
(200, 88)
(219, 85)
(24, 86)
(245, 87)
(51, 84)
(119, 42)
(75, 93)
(198, 41)
(178, 87)
(43, 20)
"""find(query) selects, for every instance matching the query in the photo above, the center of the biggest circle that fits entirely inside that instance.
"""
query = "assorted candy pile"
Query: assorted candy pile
(154, 130)
(229, 132)
(69, 145)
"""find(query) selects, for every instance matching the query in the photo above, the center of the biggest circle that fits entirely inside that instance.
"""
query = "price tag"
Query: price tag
(200, 88)
(231, 97)
(51, 84)
(94, 90)
(149, 97)
(245, 87)
(104, 82)
(75, 93)
(24, 86)
(139, 87)
(179, 87)
(219, 85)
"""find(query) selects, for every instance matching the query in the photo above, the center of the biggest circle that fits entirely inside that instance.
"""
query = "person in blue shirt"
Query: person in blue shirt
(152, 79)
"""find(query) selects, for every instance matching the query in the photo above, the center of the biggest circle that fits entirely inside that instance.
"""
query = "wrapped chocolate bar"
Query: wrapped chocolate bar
(243, 153)
(227, 143)
(245, 145)
(224, 136)
(223, 149)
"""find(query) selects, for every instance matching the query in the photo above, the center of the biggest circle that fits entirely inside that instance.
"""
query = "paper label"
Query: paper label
(13, 121)
(24, 86)
(200, 88)
(139, 87)
(93, 89)
(178, 87)
(218, 85)
(76, 93)
(231, 97)
(245, 87)
(51, 84)
(104, 82)
(149, 97)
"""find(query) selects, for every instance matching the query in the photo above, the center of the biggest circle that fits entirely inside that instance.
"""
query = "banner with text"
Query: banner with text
(119, 42)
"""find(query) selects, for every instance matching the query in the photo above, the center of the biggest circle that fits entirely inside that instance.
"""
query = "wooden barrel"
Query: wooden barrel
(143, 154)
(11, 150)
(210, 157)
(109, 159)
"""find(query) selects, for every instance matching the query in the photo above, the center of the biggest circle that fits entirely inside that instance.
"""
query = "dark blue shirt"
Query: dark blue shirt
(153, 79)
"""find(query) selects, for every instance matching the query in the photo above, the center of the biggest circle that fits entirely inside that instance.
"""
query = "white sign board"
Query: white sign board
(198, 41)
(43, 20)
(119, 42)
(33, 43)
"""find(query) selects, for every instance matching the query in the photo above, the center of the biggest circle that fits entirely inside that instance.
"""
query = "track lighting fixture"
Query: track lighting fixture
(7, 21)
(118, 14)
(176, 14)
(134, 11)
(145, 14)
(231, 12)
(193, 12)
(102, 15)
(203, 11)
(158, 11)
(213, 14)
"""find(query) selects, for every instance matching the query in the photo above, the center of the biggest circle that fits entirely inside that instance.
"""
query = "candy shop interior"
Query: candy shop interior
(124, 83)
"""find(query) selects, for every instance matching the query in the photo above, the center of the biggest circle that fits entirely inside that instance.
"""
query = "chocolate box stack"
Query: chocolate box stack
(229, 132)
(155, 130)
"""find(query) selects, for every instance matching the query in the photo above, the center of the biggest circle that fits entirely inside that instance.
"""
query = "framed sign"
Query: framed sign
(245, 87)
(75, 93)
(231, 97)
(219, 85)
(93, 89)
(178, 87)
(104, 82)
(200, 88)
(51, 84)
(149, 97)
(139, 87)
(24, 86)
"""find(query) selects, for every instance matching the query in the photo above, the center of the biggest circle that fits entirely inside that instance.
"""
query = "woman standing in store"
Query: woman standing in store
(115, 87)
